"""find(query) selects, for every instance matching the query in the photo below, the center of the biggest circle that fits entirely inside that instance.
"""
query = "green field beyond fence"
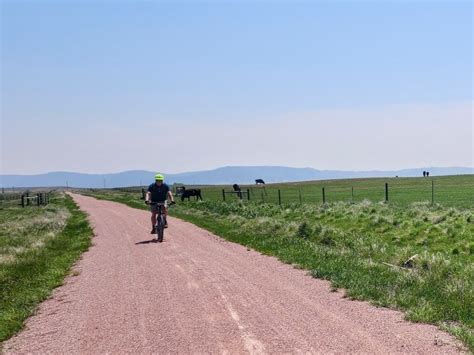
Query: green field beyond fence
(452, 191)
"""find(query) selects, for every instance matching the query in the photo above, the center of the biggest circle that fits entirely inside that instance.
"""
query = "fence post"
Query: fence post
(23, 201)
(324, 196)
(248, 195)
(27, 199)
(279, 197)
(37, 199)
(300, 195)
(352, 194)
(223, 195)
(432, 192)
(386, 192)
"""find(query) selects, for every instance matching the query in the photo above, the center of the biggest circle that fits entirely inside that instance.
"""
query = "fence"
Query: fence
(10, 196)
(38, 199)
(239, 194)
(457, 192)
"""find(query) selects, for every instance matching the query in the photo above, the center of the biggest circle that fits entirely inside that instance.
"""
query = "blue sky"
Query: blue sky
(221, 83)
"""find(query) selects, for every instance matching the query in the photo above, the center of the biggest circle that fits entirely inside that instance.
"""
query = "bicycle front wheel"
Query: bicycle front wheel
(160, 228)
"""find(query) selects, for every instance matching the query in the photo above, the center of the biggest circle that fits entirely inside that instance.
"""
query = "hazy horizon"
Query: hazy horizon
(244, 166)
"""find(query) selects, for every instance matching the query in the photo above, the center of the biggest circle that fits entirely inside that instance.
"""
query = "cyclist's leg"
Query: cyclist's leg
(153, 219)
(165, 213)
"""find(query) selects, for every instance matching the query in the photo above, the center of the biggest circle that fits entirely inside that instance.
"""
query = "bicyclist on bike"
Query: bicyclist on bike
(158, 192)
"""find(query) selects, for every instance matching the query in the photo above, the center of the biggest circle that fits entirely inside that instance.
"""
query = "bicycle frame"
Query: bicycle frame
(160, 219)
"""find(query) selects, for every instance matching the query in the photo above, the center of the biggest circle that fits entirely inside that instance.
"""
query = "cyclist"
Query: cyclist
(158, 192)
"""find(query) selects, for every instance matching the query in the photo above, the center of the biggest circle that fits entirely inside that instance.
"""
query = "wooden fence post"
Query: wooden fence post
(386, 192)
(279, 197)
(300, 196)
(248, 195)
(23, 201)
(223, 195)
(27, 199)
(352, 194)
(324, 196)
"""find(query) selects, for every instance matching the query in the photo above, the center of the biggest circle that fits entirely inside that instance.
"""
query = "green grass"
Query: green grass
(38, 246)
(361, 247)
(455, 191)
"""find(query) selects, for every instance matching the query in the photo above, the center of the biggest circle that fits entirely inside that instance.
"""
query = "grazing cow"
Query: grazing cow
(424, 173)
(427, 173)
(191, 192)
(237, 189)
(259, 181)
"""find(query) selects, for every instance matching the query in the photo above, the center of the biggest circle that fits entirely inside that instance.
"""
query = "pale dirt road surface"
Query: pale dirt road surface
(196, 293)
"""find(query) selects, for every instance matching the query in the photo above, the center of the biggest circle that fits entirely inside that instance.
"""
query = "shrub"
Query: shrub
(304, 231)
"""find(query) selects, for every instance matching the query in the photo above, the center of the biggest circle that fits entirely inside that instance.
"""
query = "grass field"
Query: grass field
(457, 191)
(453, 191)
(38, 245)
(362, 247)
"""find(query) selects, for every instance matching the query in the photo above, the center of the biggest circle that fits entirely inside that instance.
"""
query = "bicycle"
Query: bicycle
(160, 219)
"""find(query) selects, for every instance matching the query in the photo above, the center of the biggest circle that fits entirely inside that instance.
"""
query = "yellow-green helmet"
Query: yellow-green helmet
(159, 177)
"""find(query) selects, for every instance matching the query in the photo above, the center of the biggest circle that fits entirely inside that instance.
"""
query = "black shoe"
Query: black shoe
(166, 225)
(153, 231)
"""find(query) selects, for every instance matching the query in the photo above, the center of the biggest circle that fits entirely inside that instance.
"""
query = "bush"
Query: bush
(304, 231)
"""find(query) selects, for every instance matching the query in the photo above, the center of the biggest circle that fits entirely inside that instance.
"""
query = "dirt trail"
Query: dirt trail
(196, 293)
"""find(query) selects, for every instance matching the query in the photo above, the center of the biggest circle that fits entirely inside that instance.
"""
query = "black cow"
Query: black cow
(238, 190)
(191, 192)
(259, 181)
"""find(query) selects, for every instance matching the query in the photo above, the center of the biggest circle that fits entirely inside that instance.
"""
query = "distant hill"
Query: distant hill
(224, 175)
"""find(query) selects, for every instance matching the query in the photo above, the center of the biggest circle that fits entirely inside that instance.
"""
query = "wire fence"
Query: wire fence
(454, 191)
(444, 191)
(26, 198)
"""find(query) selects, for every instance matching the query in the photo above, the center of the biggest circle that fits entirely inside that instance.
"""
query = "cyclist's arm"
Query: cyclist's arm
(147, 197)
(170, 196)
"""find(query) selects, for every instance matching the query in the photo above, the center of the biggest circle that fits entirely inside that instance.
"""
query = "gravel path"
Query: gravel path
(196, 293)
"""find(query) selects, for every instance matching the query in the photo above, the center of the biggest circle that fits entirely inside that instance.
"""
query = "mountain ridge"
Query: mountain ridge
(221, 175)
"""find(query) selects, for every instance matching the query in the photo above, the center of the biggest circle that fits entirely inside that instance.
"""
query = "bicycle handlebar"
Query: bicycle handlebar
(159, 203)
